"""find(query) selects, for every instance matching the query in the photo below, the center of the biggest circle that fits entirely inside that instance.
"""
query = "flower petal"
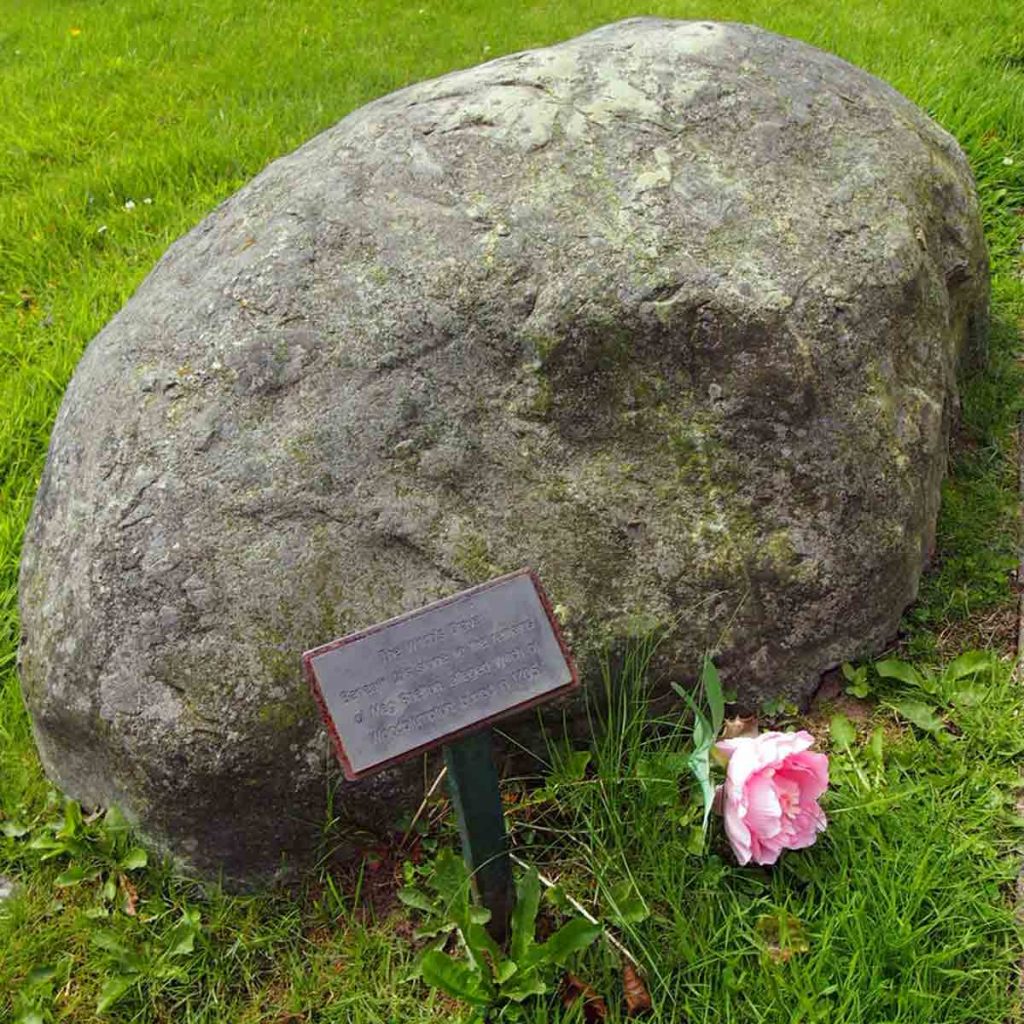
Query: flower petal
(810, 771)
(737, 833)
(764, 851)
(764, 812)
(805, 827)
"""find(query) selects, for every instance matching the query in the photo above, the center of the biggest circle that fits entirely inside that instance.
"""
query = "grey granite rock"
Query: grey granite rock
(670, 312)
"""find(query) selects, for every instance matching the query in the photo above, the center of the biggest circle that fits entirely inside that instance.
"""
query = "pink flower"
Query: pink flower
(770, 796)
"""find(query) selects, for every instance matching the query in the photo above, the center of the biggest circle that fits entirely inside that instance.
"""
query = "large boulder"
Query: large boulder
(670, 312)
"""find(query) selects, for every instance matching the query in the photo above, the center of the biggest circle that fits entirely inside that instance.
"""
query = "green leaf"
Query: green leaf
(714, 696)
(441, 971)
(580, 760)
(859, 685)
(450, 880)
(842, 731)
(181, 939)
(858, 680)
(699, 764)
(41, 974)
(968, 664)
(45, 842)
(523, 985)
(922, 715)
(626, 905)
(72, 820)
(478, 915)
(113, 989)
(969, 696)
(572, 766)
(570, 938)
(478, 943)
(877, 746)
(505, 970)
(695, 841)
(557, 897)
(109, 890)
(69, 848)
(134, 859)
(14, 829)
(30, 1017)
(416, 898)
(114, 821)
(524, 914)
(895, 669)
(704, 735)
(76, 875)
(170, 972)
(110, 942)
(659, 774)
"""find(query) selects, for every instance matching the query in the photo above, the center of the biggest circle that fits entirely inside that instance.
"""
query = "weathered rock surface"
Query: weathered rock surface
(670, 312)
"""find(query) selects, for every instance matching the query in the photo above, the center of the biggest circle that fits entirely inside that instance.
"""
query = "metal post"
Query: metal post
(473, 785)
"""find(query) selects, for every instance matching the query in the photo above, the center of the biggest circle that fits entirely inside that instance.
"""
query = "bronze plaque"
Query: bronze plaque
(422, 679)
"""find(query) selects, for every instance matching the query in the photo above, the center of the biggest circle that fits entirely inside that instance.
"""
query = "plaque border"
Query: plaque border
(318, 697)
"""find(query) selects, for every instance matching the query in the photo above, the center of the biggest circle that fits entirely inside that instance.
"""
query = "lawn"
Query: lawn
(124, 124)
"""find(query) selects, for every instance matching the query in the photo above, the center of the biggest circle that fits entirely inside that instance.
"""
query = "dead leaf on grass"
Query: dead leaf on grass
(594, 1007)
(733, 728)
(782, 936)
(131, 896)
(638, 999)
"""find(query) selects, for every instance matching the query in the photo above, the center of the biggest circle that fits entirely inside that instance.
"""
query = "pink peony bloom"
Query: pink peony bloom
(770, 796)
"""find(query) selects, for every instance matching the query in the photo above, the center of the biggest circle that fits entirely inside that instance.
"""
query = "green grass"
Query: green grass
(899, 913)
(905, 904)
(964, 599)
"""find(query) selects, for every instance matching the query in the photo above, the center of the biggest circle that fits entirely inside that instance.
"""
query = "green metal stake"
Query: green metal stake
(473, 785)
